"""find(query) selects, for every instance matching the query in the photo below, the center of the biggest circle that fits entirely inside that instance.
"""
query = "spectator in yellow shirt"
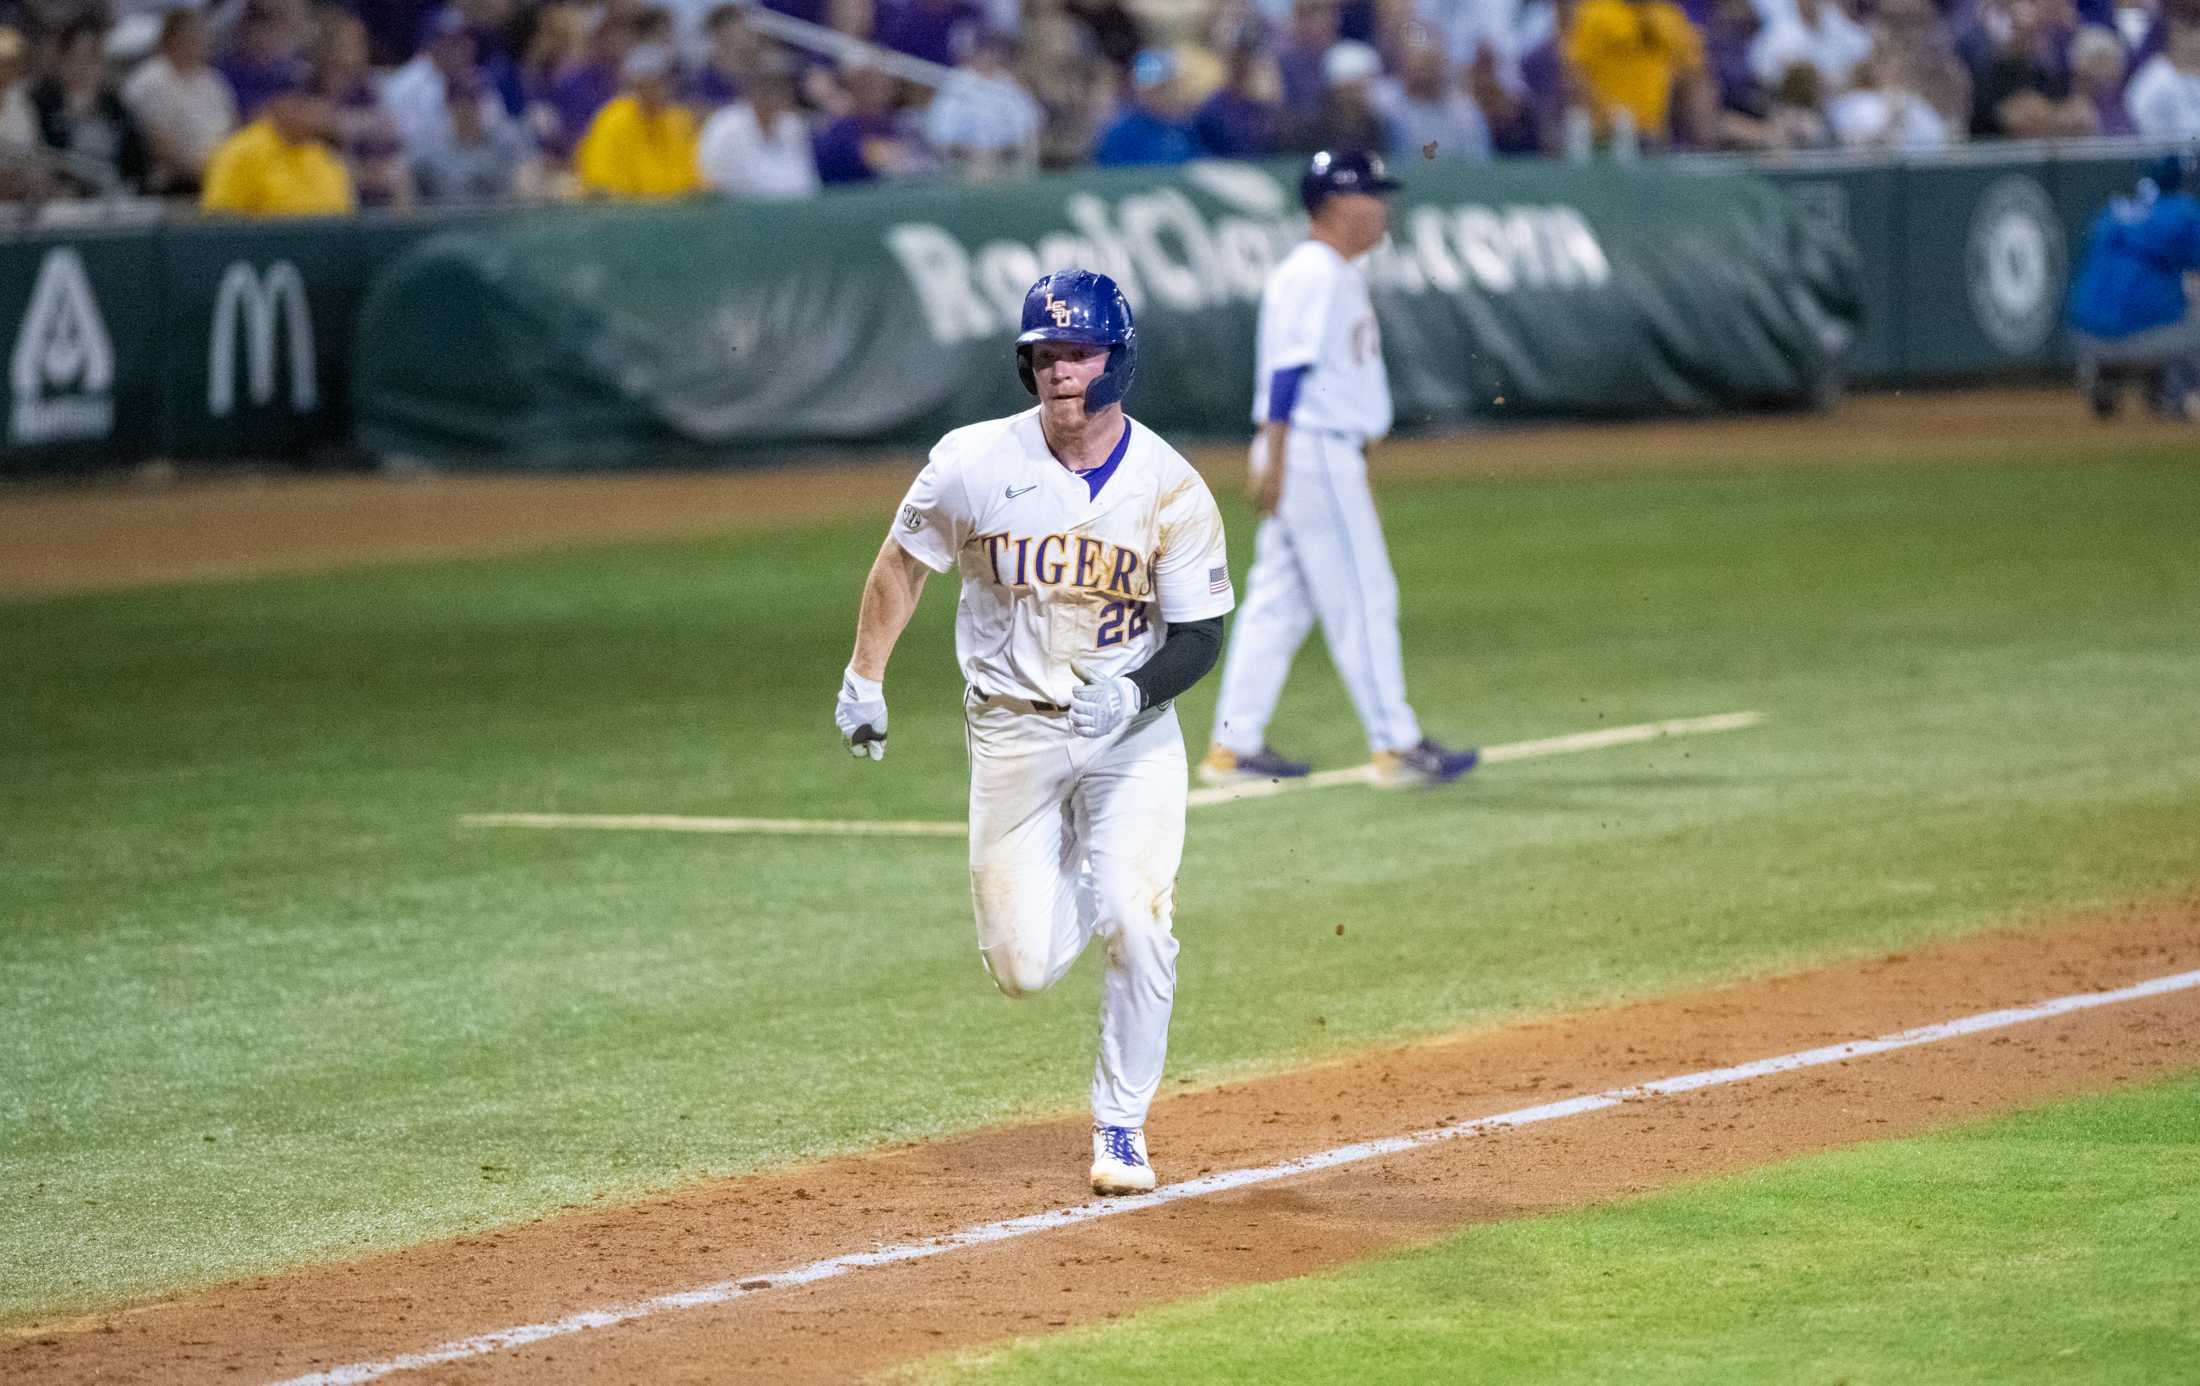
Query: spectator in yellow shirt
(280, 165)
(641, 145)
(1641, 57)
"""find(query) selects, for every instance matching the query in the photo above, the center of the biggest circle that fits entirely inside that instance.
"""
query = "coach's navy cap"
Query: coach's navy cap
(1343, 171)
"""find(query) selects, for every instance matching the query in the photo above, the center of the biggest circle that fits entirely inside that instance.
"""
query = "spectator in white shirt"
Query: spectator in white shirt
(1430, 116)
(1500, 29)
(2164, 95)
(415, 95)
(1814, 33)
(476, 159)
(183, 104)
(1882, 113)
(982, 121)
(759, 148)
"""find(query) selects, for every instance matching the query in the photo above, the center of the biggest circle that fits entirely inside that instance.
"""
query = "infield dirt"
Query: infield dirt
(600, 1257)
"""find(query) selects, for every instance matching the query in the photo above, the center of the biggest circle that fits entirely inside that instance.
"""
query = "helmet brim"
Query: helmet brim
(1371, 187)
(1078, 335)
(1312, 199)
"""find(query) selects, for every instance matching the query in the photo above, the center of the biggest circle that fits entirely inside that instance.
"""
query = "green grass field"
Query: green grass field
(266, 1002)
(2057, 1245)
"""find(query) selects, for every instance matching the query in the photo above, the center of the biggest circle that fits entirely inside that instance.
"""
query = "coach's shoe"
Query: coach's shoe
(1119, 1163)
(1224, 766)
(1428, 763)
(2105, 393)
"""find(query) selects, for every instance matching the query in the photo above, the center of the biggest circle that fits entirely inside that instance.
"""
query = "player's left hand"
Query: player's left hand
(1101, 706)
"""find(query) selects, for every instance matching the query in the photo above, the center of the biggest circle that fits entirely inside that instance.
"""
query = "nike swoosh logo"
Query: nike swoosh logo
(1015, 491)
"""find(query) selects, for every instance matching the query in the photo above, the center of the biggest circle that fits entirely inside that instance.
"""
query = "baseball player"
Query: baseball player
(1319, 396)
(1094, 582)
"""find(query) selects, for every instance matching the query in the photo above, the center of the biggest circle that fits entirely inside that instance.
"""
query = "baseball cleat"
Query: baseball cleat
(1426, 764)
(1119, 1163)
(1223, 766)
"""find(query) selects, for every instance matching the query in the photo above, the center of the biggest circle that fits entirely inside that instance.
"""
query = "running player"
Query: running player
(1320, 396)
(1094, 582)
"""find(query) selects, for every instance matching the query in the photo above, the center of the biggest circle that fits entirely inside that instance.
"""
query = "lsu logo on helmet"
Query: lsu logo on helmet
(1080, 306)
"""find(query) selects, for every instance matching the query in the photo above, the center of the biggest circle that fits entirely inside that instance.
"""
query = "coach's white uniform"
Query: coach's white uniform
(1321, 555)
(1072, 837)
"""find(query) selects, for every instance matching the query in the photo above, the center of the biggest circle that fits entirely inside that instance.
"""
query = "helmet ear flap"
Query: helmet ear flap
(1024, 371)
(1115, 379)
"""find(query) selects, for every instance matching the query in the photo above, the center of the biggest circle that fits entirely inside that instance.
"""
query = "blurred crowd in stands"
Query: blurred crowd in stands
(287, 107)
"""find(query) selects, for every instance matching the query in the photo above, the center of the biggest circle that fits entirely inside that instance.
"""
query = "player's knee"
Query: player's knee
(1016, 972)
(1135, 918)
(1116, 909)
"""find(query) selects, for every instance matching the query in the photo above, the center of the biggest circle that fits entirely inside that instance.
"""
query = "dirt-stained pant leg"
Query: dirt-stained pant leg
(1131, 800)
(1024, 849)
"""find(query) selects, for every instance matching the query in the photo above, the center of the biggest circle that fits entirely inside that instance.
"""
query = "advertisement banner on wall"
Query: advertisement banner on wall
(1505, 292)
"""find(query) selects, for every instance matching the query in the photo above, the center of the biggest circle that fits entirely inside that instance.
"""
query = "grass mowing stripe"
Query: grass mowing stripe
(675, 823)
(724, 1291)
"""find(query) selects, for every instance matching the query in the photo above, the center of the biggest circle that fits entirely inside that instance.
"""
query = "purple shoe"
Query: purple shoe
(1223, 766)
(1429, 763)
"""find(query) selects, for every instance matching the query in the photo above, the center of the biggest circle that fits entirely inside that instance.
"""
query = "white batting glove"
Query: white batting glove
(861, 715)
(1099, 708)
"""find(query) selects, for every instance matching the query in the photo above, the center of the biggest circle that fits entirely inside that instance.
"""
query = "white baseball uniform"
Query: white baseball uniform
(1072, 837)
(1321, 555)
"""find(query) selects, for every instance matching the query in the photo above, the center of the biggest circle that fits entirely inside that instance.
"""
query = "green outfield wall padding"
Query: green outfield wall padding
(197, 339)
(621, 335)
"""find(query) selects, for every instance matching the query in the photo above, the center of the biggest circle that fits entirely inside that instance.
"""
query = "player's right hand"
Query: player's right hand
(1267, 474)
(861, 716)
(1267, 491)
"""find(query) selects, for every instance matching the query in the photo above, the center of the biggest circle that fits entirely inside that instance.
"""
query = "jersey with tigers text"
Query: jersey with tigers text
(1060, 580)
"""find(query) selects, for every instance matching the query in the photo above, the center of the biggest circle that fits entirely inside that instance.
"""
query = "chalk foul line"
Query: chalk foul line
(1573, 743)
(1570, 744)
(725, 1291)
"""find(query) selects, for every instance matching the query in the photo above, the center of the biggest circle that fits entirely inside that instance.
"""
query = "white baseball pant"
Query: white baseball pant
(1072, 839)
(1320, 557)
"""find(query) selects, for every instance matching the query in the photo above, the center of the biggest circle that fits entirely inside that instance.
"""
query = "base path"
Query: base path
(319, 1319)
(78, 538)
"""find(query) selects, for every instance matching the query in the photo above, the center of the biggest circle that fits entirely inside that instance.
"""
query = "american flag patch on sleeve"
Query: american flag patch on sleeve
(1218, 579)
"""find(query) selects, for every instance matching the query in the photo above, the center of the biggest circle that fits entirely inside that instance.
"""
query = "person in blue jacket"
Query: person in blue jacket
(2131, 313)
(1151, 129)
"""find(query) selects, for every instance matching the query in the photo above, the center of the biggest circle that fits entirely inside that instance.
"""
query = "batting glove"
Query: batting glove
(1100, 707)
(861, 715)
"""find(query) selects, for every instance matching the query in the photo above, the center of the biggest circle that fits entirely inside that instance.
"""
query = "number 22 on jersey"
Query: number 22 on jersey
(1121, 621)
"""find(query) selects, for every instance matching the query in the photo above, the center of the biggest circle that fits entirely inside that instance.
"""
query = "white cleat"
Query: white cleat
(1119, 1164)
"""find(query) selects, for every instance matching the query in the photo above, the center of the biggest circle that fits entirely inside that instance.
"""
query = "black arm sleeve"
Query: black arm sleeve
(1183, 660)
